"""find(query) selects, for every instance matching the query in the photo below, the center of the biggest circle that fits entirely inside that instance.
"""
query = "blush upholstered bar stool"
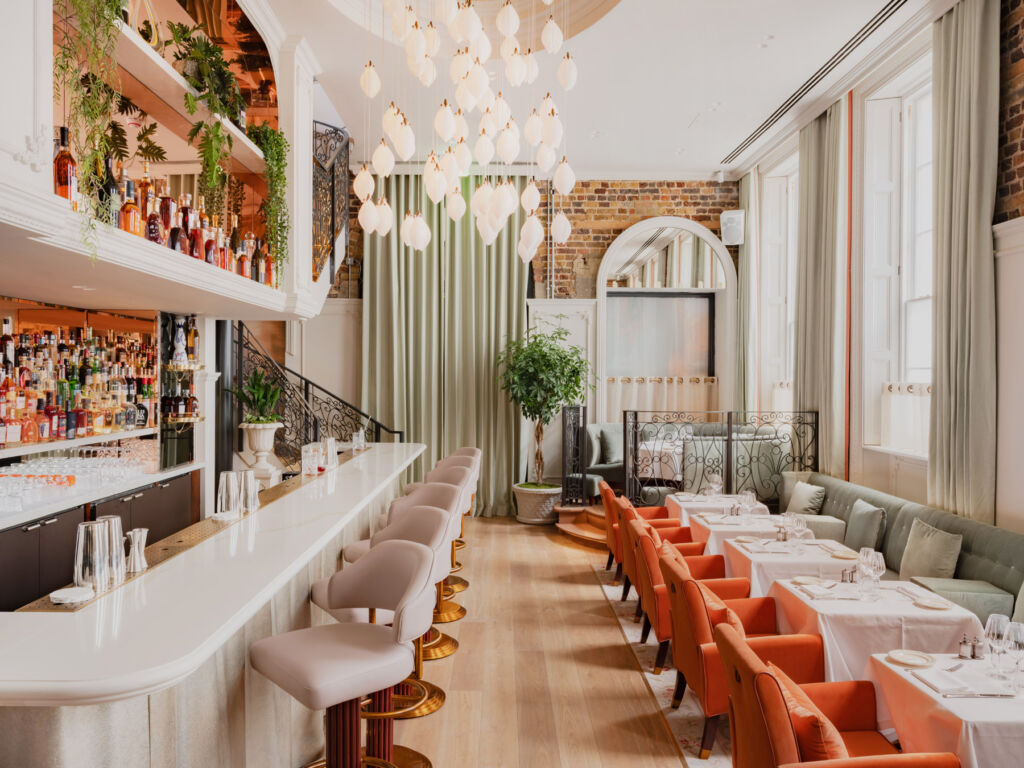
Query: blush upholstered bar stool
(457, 583)
(335, 666)
(432, 527)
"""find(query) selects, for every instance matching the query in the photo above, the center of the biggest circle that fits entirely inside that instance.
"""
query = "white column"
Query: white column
(206, 432)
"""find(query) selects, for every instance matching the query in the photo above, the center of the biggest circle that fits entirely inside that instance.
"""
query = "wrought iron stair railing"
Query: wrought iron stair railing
(308, 411)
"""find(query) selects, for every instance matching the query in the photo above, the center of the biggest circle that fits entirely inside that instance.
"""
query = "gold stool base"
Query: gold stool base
(460, 544)
(456, 584)
(447, 592)
(439, 647)
(409, 758)
(456, 567)
(435, 700)
(447, 612)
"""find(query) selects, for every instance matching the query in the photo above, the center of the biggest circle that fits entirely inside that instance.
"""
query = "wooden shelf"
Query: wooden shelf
(29, 449)
(158, 88)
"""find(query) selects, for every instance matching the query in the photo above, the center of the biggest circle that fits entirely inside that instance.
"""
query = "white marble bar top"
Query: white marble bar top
(153, 631)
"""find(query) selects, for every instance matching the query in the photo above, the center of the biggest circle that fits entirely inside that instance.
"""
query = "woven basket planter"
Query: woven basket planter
(536, 506)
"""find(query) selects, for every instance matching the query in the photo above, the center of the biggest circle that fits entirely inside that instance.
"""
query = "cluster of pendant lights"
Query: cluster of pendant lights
(498, 134)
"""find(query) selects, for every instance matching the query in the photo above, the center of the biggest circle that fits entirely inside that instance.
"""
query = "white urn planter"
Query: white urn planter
(536, 506)
(260, 439)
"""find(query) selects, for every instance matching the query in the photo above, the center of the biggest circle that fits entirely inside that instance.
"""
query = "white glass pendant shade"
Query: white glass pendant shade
(362, 184)
(551, 36)
(432, 38)
(488, 125)
(532, 68)
(564, 179)
(444, 122)
(495, 221)
(552, 131)
(513, 128)
(369, 81)
(406, 141)
(530, 199)
(469, 23)
(480, 48)
(385, 217)
(390, 121)
(368, 216)
(454, 29)
(463, 156)
(421, 233)
(459, 68)
(402, 22)
(507, 20)
(532, 232)
(392, 7)
(405, 231)
(502, 111)
(509, 45)
(450, 167)
(455, 205)
(525, 254)
(486, 101)
(428, 72)
(560, 228)
(477, 80)
(507, 147)
(464, 97)
(515, 69)
(548, 105)
(461, 126)
(486, 232)
(434, 180)
(483, 150)
(533, 128)
(445, 10)
(383, 160)
(509, 198)
(546, 158)
(415, 43)
(416, 65)
(481, 199)
(567, 73)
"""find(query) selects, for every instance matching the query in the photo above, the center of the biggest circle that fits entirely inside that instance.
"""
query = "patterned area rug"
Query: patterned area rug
(685, 723)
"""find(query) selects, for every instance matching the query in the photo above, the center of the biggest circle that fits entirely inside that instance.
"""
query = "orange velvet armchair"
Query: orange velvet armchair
(764, 735)
(646, 543)
(695, 610)
(622, 511)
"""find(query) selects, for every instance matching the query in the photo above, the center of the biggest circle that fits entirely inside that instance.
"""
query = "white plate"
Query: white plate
(808, 580)
(910, 658)
(932, 603)
(840, 554)
(71, 595)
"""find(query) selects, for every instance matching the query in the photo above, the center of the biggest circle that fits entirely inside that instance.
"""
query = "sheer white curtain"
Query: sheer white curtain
(659, 393)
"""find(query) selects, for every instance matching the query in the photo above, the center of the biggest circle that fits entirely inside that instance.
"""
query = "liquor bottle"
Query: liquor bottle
(129, 415)
(243, 264)
(196, 236)
(52, 413)
(168, 207)
(144, 188)
(83, 417)
(141, 412)
(192, 402)
(65, 171)
(154, 227)
(13, 426)
(178, 404)
(43, 423)
(29, 427)
(131, 216)
(235, 238)
(256, 266)
(110, 194)
(7, 342)
(210, 249)
(192, 340)
(186, 214)
(270, 271)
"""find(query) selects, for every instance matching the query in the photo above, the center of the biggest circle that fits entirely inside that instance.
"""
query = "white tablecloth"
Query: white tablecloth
(715, 529)
(682, 505)
(661, 459)
(982, 732)
(853, 630)
(794, 558)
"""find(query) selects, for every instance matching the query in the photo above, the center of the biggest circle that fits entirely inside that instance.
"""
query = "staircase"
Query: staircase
(585, 524)
(308, 411)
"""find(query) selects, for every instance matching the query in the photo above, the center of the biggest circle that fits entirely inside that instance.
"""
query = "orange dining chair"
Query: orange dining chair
(646, 543)
(612, 527)
(695, 609)
(669, 530)
(777, 723)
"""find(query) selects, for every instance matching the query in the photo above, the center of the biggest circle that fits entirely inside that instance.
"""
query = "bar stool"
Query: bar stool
(473, 465)
(431, 527)
(333, 667)
(463, 478)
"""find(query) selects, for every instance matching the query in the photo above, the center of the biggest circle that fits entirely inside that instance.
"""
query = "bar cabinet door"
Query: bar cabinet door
(57, 549)
(19, 566)
(164, 509)
(121, 506)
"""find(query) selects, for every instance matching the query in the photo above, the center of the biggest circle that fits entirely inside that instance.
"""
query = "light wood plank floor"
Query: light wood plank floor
(543, 676)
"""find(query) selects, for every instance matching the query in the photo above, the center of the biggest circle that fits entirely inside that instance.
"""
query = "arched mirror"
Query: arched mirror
(666, 305)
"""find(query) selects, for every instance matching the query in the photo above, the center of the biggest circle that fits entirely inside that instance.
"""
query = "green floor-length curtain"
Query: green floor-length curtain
(745, 366)
(818, 372)
(433, 323)
(962, 446)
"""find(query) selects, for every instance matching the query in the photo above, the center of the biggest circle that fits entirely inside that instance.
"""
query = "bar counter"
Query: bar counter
(155, 671)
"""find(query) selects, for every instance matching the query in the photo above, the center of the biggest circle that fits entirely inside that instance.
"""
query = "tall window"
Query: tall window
(897, 262)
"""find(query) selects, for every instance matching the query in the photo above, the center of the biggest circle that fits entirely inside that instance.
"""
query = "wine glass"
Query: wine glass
(997, 638)
(1015, 650)
(228, 502)
(876, 564)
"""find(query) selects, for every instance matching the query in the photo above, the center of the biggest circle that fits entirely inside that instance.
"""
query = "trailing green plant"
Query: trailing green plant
(205, 69)
(275, 204)
(146, 147)
(89, 50)
(258, 396)
(541, 373)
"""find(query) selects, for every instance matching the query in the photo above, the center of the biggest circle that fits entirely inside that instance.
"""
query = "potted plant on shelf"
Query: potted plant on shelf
(259, 396)
(540, 374)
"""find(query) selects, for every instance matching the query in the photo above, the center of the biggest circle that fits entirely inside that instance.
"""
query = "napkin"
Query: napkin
(815, 591)
(956, 684)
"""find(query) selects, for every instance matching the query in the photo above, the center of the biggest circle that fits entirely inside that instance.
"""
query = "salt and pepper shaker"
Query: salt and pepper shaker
(966, 648)
(977, 649)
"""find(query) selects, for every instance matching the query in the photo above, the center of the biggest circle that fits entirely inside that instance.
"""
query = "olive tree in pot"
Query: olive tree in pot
(540, 374)
(258, 397)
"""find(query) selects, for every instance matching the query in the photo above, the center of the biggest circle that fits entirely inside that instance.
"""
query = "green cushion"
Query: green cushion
(865, 526)
(613, 474)
(930, 552)
(1018, 607)
(806, 499)
(611, 444)
(980, 597)
(825, 526)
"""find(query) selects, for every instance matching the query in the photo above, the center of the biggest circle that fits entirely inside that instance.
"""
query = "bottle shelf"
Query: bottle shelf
(29, 449)
(173, 420)
(190, 367)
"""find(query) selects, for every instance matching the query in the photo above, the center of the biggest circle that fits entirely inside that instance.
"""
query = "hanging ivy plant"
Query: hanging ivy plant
(146, 147)
(275, 205)
(87, 50)
(202, 64)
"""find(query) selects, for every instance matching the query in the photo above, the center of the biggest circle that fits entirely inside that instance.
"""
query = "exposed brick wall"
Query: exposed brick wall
(346, 282)
(599, 212)
(1010, 191)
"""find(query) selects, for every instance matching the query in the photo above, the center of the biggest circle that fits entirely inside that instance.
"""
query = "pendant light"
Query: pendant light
(385, 217)
(469, 23)
(480, 48)
(564, 178)
(551, 36)
(507, 147)
(455, 204)
(368, 216)
(445, 10)
(560, 228)
(477, 80)
(486, 101)
(548, 105)
(530, 199)
(434, 179)
(483, 150)
(532, 67)
(459, 68)
(415, 43)
(532, 232)
(481, 199)
(406, 141)
(515, 69)
(428, 72)
(432, 38)
(508, 47)
(369, 81)
(383, 160)
(532, 129)
(502, 111)
(461, 126)
(525, 254)
(567, 73)
(362, 185)
(405, 231)
(464, 96)
(552, 132)
(450, 167)
(390, 121)
(421, 233)
(507, 20)
(444, 122)
(463, 156)
(546, 158)
(488, 125)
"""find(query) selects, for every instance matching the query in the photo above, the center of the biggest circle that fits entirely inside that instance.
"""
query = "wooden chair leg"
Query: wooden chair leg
(618, 573)
(625, 588)
(611, 559)
(680, 691)
(646, 630)
(639, 612)
(659, 661)
(707, 740)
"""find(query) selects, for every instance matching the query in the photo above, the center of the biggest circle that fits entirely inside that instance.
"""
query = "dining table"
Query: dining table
(682, 505)
(954, 705)
(714, 529)
(765, 561)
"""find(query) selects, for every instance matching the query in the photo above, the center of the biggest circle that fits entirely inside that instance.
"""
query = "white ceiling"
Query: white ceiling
(667, 88)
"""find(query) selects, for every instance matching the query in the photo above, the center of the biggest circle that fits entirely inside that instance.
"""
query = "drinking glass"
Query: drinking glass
(228, 501)
(997, 638)
(250, 492)
(1015, 652)
(310, 459)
